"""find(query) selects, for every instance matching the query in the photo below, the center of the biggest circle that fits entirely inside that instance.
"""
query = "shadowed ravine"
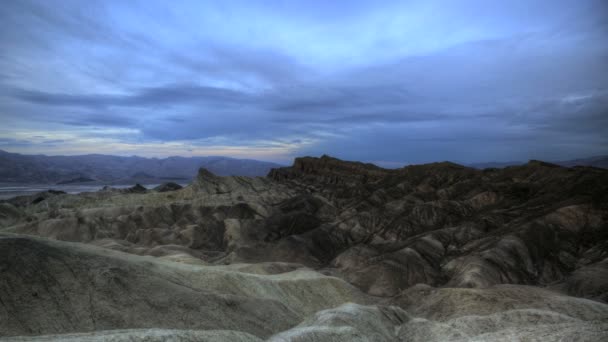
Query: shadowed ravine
(324, 250)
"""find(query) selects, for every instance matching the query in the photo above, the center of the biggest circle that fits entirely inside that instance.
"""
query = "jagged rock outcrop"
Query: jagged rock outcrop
(445, 224)
(382, 230)
(135, 189)
(459, 231)
(169, 186)
(24, 201)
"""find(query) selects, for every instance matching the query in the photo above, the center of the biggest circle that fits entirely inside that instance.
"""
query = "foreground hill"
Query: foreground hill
(324, 250)
(38, 169)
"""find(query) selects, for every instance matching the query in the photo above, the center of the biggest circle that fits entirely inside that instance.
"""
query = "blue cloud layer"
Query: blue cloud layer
(377, 81)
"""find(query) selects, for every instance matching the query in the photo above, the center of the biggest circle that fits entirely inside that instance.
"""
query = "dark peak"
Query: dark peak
(328, 158)
(204, 174)
(328, 167)
(334, 167)
(452, 164)
(168, 186)
(206, 180)
(446, 164)
(136, 189)
(534, 162)
(328, 162)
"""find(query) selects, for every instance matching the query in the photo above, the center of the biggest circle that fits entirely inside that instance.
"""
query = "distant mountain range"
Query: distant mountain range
(597, 161)
(42, 169)
(99, 168)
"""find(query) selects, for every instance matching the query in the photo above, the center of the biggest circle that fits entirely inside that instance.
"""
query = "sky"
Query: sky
(389, 82)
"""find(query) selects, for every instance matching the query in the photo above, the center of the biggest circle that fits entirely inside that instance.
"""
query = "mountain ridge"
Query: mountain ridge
(338, 250)
(21, 168)
(595, 161)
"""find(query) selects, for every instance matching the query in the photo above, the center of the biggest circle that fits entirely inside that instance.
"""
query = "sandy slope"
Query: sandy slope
(53, 287)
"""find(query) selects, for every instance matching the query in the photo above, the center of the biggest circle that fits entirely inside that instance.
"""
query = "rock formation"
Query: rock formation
(168, 186)
(323, 250)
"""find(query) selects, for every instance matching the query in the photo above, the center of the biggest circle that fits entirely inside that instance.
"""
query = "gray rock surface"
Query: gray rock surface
(325, 250)
(51, 287)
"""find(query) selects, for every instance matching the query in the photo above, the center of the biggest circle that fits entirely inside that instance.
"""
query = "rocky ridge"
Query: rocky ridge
(428, 252)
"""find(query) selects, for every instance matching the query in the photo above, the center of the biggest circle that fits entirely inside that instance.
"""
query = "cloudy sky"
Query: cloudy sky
(387, 82)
